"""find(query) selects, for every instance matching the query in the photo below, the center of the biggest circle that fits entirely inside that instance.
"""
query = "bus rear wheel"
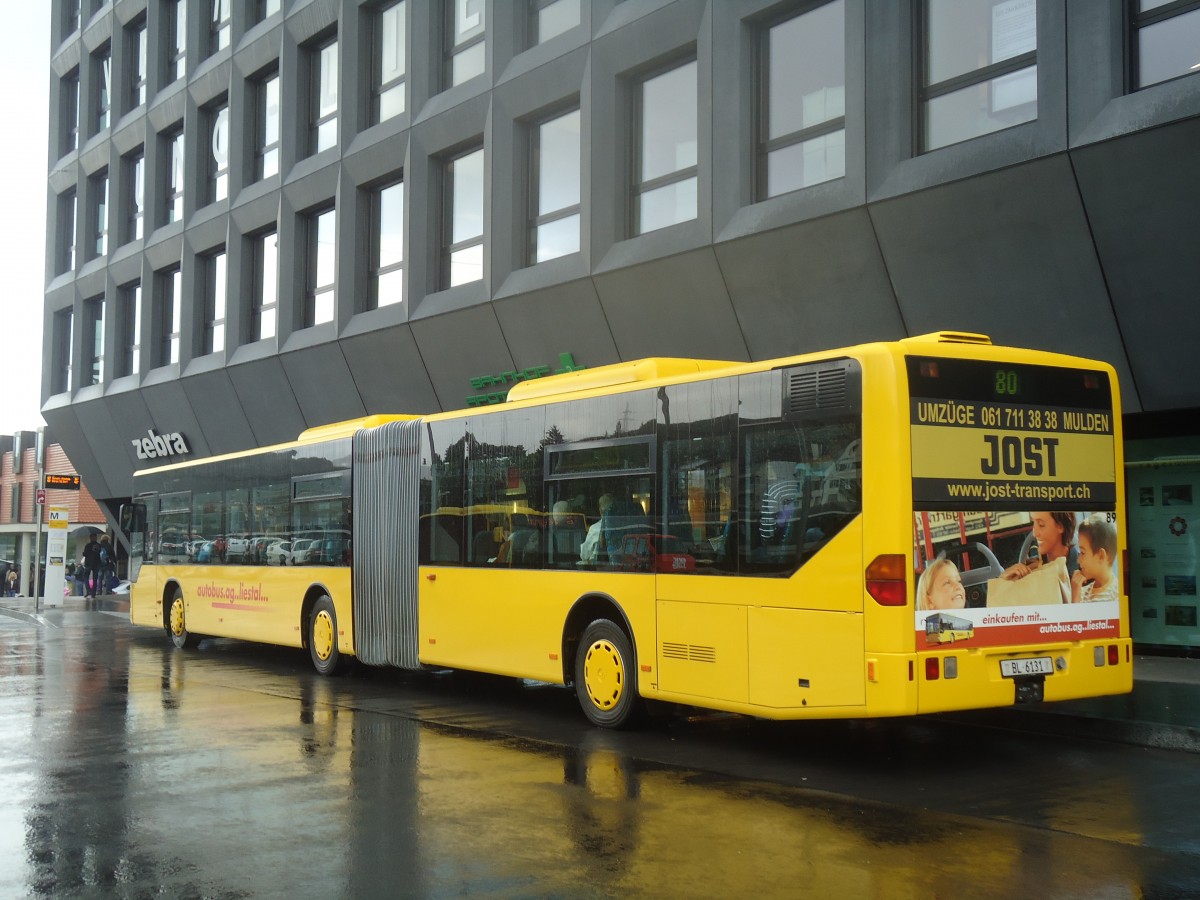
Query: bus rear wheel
(606, 676)
(323, 637)
(177, 624)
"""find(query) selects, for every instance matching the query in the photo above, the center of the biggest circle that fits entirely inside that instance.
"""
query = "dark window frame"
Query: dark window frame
(1138, 21)
(536, 219)
(377, 268)
(926, 92)
(638, 187)
(379, 87)
(764, 144)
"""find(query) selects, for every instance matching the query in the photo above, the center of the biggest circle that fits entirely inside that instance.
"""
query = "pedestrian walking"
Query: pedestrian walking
(92, 566)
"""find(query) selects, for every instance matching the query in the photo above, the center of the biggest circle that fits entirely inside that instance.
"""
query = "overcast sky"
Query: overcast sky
(25, 69)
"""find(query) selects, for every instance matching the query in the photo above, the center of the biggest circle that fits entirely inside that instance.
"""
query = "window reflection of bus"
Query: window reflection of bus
(785, 487)
(942, 628)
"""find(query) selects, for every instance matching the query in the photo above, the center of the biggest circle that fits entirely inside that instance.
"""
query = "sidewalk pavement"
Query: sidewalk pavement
(1163, 710)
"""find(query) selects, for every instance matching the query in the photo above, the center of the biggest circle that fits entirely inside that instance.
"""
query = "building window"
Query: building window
(320, 293)
(72, 14)
(666, 182)
(134, 177)
(218, 151)
(265, 8)
(214, 302)
(218, 25)
(979, 72)
(98, 217)
(64, 340)
(389, 67)
(554, 230)
(387, 246)
(266, 128)
(177, 40)
(323, 99)
(265, 262)
(170, 301)
(1167, 38)
(130, 340)
(69, 112)
(136, 36)
(465, 46)
(802, 103)
(93, 311)
(67, 210)
(173, 176)
(101, 85)
(550, 18)
(463, 212)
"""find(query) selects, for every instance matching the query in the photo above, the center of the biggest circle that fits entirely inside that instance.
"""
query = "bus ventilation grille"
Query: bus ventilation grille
(812, 389)
(692, 652)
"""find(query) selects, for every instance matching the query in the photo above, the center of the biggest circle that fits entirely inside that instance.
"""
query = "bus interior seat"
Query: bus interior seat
(484, 547)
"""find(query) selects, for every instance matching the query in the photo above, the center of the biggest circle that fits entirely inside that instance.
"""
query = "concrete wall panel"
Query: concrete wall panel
(389, 372)
(265, 394)
(1008, 254)
(567, 318)
(218, 410)
(1142, 207)
(458, 346)
(676, 306)
(322, 384)
(810, 286)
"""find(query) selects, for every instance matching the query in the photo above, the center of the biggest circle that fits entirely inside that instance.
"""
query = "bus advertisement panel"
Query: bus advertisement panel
(990, 442)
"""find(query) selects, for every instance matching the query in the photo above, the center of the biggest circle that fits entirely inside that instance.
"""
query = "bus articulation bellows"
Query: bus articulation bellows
(854, 533)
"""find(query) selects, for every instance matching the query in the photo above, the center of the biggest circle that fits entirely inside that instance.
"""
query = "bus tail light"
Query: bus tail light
(1114, 655)
(885, 580)
(931, 668)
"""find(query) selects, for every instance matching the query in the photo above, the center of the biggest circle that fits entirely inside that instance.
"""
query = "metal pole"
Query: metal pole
(37, 544)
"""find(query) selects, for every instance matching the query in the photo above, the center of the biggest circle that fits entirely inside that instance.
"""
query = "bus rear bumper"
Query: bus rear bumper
(992, 677)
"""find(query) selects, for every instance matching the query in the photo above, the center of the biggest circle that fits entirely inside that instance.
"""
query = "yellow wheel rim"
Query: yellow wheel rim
(323, 635)
(177, 617)
(604, 675)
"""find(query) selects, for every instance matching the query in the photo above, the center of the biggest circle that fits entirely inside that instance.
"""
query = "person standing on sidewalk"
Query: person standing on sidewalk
(92, 566)
(108, 566)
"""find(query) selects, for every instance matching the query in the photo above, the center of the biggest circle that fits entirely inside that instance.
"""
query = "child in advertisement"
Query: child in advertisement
(941, 587)
(1094, 580)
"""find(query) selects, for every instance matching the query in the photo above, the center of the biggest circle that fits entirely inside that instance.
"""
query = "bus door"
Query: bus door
(134, 518)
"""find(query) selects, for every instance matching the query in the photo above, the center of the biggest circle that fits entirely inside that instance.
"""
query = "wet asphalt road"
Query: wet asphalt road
(130, 769)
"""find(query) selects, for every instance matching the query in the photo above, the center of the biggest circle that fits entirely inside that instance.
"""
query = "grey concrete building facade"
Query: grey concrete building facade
(274, 214)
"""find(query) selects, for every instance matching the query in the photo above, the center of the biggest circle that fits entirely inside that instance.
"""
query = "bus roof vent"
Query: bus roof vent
(611, 376)
(821, 387)
(948, 337)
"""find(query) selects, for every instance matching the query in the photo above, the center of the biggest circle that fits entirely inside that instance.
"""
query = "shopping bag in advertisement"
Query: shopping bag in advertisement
(1047, 584)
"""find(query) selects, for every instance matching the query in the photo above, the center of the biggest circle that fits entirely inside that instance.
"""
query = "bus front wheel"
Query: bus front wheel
(606, 676)
(323, 637)
(177, 624)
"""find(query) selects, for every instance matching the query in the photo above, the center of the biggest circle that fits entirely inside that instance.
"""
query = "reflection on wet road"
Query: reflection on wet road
(132, 769)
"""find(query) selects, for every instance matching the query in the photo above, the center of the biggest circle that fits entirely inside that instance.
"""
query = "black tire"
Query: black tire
(322, 637)
(176, 624)
(606, 676)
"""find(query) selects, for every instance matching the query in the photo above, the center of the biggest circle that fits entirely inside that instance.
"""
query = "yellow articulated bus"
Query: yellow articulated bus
(783, 507)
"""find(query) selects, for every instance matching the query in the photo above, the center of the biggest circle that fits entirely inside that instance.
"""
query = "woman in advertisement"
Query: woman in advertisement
(1054, 533)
